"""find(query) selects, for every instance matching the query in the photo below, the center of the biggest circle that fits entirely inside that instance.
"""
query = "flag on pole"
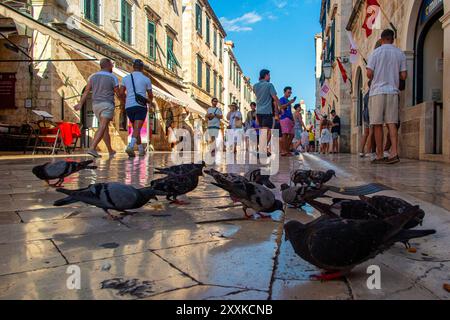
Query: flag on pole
(343, 71)
(317, 116)
(372, 16)
(353, 48)
(324, 90)
(324, 101)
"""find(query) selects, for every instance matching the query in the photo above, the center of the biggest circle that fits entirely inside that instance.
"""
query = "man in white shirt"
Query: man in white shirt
(214, 115)
(386, 67)
(137, 92)
(104, 86)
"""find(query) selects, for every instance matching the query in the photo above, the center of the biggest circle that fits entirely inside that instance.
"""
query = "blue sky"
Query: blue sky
(277, 35)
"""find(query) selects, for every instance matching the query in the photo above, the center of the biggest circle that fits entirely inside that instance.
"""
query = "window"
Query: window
(91, 10)
(208, 31)
(198, 19)
(199, 71)
(220, 48)
(220, 88)
(126, 17)
(151, 40)
(174, 6)
(171, 58)
(231, 70)
(215, 84)
(215, 42)
(208, 78)
(231, 99)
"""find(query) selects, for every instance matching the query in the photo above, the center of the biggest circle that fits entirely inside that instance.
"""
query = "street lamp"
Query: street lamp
(327, 68)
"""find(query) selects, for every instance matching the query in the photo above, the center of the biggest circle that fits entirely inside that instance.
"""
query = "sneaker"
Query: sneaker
(130, 152)
(393, 160)
(94, 153)
(373, 156)
(378, 161)
(361, 155)
(112, 154)
(386, 154)
(141, 152)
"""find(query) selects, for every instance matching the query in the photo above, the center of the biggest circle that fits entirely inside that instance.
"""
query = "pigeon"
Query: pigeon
(59, 170)
(250, 194)
(319, 178)
(251, 176)
(301, 177)
(110, 196)
(256, 176)
(297, 196)
(175, 185)
(391, 205)
(337, 245)
(181, 169)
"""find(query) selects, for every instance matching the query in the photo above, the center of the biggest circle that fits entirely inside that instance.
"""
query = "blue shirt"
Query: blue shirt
(264, 91)
(288, 112)
(141, 83)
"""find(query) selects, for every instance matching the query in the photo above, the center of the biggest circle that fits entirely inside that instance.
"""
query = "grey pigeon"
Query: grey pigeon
(181, 169)
(301, 177)
(110, 196)
(60, 170)
(297, 196)
(338, 245)
(256, 176)
(250, 194)
(175, 185)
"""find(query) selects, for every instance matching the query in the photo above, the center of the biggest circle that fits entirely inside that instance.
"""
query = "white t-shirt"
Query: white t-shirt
(386, 62)
(214, 122)
(233, 116)
(141, 83)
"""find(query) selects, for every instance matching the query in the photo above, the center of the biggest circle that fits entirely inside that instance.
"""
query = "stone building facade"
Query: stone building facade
(72, 36)
(334, 18)
(423, 34)
(203, 52)
(233, 78)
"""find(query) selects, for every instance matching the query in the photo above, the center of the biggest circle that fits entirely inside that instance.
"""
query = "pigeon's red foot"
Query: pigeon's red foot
(180, 202)
(327, 276)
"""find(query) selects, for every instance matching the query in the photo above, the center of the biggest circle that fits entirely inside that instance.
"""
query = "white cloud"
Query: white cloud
(241, 23)
(280, 4)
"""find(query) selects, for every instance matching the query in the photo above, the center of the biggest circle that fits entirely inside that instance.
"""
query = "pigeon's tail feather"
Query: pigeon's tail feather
(64, 201)
(399, 220)
(406, 235)
(323, 208)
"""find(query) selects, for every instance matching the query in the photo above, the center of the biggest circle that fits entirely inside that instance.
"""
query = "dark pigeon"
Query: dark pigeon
(250, 194)
(301, 177)
(181, 169)
(175, 185)
(391, 206)
(319, 178)
(60, 170)
(110, 196)
(337, 245)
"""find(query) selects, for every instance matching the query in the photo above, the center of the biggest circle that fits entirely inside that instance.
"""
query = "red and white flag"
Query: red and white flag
(325, 90)
(372, 20)
(343, 71)
(353, 48)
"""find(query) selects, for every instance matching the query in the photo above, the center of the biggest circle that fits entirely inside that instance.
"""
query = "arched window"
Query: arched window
(359, 97)
(429, 58)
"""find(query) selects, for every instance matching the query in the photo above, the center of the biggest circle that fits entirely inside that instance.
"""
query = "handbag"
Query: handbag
(141, 100)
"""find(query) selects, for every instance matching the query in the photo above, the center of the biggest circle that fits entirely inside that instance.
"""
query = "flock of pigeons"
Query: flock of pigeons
(348, 233)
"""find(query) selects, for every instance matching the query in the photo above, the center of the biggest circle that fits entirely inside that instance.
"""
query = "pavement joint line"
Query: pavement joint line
(60, 252)
(176, 268)
(279, 242)
(167, 291)
(224, 220)
(349, 288)
(235, 287)
(20, 217)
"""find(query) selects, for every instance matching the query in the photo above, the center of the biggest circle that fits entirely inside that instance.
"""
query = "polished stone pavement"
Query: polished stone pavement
(204, 250)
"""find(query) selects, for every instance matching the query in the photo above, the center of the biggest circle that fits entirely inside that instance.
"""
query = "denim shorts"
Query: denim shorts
(103, 109)
(137, 113)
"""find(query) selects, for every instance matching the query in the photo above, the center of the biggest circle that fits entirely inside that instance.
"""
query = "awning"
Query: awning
(190, 104)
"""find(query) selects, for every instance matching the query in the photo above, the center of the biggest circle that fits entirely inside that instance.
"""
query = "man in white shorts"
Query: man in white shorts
(103, 85)
(386, 67)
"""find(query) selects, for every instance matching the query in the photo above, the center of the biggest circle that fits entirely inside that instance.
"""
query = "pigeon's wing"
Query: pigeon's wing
(357, 209)
(341, 244)
(324, 208)
(57, 169)
(260, 197)
(317, 176)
